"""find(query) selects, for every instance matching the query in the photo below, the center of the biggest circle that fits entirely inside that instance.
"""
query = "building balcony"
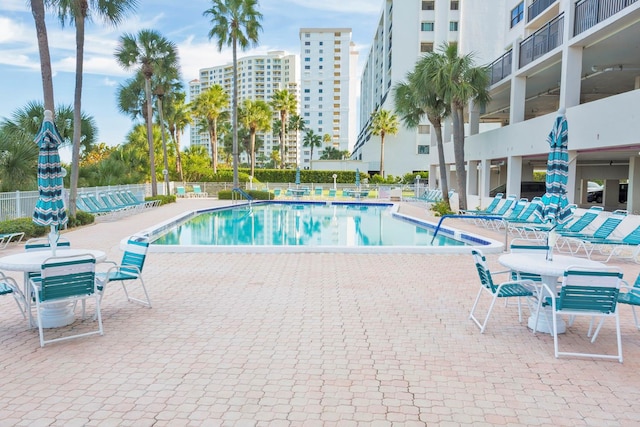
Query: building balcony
(592, 12)
(542, 41)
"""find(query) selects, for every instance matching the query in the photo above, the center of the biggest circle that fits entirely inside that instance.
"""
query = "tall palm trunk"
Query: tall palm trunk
(77, 106)
(176, 141)
(37, 9)
(234, 114)
(213, 137)
(458, 149)
(382, 154)
(283, 117)
(444, 185)
(149, 118)
(253, 149)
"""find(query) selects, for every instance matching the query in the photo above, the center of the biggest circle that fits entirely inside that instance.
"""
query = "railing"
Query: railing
(592, 12)
(542, 41)
(21, 204)
(241, 193)
(501, 67)
(537, 7)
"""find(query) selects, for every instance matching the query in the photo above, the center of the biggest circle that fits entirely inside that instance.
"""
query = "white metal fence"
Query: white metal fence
(21, 204)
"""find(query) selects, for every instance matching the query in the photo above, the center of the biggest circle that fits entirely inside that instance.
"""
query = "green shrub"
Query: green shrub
(81, 218)
(164, 199)
(441, 208)
(256, 194)
(24, 225)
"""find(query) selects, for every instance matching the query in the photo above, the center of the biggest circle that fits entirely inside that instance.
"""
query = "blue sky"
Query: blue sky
(180, 21)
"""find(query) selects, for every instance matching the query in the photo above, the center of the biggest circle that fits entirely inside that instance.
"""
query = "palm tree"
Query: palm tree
(76, 12)
(296, 124)
(383, 123)
(209, 107)
(326, 138)
(456, 80)
(284, 102)
(37, 10)
(415, 99)
(312, 140)
(178, 117)
(151, 53)
(235, 23)
(255, 116)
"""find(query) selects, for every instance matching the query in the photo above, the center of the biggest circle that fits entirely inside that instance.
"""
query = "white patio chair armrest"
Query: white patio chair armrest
(129, 268)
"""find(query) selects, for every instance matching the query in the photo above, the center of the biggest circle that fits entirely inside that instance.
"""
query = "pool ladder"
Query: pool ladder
(242, 194)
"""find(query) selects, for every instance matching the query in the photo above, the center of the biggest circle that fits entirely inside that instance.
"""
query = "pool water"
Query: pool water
(303, 224)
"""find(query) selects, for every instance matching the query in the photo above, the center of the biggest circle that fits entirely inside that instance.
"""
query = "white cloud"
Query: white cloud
(109, 82)
(343, 6)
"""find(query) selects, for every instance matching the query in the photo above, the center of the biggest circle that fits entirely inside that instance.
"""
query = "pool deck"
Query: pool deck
(308, 339)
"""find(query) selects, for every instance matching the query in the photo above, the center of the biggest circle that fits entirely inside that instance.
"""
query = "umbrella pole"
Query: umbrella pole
(53, 239)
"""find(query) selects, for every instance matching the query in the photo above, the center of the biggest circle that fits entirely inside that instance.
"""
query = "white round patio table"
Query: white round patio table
(549, 271)
(53, 316)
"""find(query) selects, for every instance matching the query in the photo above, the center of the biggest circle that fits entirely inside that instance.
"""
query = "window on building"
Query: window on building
(320, 59)
(423, 149)
(426, 26)
(319, 98)
(307, 106)
(517, 14)
(307, 67)
(307, 59)
(423, 129)
(307, 35)
(307, 98)
(455, 5)
(428, 5)
(320, 114)
(319, 90)
(307, 90)
(319, 122)
(307, 51)
(306, 114)
(307, 43)
(320, 67)
(337, 34)
(453, 26)
(321, 43)
(426, 47)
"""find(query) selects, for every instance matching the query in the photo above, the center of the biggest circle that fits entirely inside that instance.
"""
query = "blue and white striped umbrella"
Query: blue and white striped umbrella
(297, 176)
(556, 209)
(50, 209)
(358, 177)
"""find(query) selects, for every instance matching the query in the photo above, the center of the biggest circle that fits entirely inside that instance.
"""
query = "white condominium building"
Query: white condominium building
(406, 29)
(582, 57)
(259, 77)
(328, 62)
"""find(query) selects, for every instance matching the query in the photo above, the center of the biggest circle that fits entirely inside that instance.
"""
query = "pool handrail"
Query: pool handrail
(489, 217)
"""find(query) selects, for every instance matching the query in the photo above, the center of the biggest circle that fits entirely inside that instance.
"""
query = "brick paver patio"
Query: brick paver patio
(307, 339)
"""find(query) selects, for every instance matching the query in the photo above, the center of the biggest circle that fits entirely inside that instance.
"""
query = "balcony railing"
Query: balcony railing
(542, 41)
(537, 7)
(592, 12)
(501, 67)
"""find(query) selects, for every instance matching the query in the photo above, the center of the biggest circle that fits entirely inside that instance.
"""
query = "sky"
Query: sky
(181, 22)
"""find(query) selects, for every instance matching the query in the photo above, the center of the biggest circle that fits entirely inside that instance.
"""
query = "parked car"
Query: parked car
(528, 189)
(596, 196)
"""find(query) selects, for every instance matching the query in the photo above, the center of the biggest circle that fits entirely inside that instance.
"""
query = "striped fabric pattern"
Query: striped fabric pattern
(555, 203)
(50, 209)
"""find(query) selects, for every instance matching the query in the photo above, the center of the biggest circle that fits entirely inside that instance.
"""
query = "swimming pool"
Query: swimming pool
(307, 227)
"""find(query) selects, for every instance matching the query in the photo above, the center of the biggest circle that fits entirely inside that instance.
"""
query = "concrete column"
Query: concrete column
(633, 197)
(571, 76)
(473, 173)
(434, 176)
(518, 86)
(474, 119)
(514, 175)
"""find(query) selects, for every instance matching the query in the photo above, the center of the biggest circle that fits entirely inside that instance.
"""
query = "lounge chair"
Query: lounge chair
(7, 238)
(577, 225)
(489, 209)
(277, 192)
(318, 191)
(181, 192)
(631, 296)
(332, 192)
(508, 289)
(586, 292)
(197, 192)
(581, 240)
(626, 248)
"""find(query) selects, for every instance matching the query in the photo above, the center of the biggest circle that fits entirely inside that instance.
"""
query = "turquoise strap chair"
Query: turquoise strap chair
(66, 279)
(509, 289)
(8, 286)
(590, 293)
(128, 271)
(631, 296)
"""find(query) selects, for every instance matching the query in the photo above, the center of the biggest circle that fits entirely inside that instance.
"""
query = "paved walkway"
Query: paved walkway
(309, 340)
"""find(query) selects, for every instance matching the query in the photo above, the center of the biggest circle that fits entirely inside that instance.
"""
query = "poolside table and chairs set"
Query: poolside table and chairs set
(57, 278)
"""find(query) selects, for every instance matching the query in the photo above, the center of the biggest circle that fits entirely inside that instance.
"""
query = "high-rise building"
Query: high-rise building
(328, 61)
(405, 31)
(259, 76)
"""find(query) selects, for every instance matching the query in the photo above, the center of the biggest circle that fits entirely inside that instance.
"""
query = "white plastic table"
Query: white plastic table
(550, 271)
(53, 316)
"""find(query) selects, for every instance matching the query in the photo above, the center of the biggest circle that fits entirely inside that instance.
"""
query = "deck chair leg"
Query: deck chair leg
(635, 317)
(595, 334)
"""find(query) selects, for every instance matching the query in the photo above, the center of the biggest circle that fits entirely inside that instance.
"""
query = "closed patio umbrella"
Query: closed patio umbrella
(555, 205)
(297, 177)
(357, 177)
(50, 209)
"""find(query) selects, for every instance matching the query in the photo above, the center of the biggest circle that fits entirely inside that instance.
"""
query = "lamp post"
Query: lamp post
(334, 181)
(250, 182)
